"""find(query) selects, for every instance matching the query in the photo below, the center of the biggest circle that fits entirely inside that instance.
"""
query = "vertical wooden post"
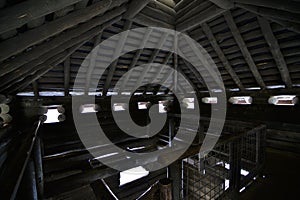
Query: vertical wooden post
(235, 166)
(37, 156)
(165, 189)
(35, 89)
(175, 176)
(67, 76)
(27, 189)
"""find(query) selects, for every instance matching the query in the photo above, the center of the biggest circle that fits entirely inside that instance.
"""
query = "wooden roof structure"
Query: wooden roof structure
(255, 44)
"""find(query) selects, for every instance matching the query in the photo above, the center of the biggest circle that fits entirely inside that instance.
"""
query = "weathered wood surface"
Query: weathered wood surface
(32, 37)
(241, 43)
(22, 13)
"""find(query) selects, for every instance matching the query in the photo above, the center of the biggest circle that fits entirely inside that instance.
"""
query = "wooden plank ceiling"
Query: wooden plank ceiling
(255, 43)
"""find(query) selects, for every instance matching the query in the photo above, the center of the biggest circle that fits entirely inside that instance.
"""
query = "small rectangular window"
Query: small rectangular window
(189, 103)
(162, 106)
(284, 100)
(210, 100)
(133, 174)
(119, 106)
(246, 100)
(52, 116)
(143, 105)
(89, 108)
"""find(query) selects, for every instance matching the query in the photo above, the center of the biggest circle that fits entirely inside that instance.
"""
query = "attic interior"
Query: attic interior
(195, 99)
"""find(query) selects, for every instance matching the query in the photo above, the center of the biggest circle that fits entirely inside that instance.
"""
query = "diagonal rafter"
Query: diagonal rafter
(275, 50)
(153, 56)
(118, 50)
(194, 71)
(221, 55)
(136, 57)
(24, 12)
(242, 45)
(67, 72)
(168, 57)
(97, 40)
(54, 57)
(61, 42)
(34, 36)
(135, 7)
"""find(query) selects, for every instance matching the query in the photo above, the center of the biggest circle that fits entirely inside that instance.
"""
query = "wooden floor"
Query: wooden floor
(282, 178)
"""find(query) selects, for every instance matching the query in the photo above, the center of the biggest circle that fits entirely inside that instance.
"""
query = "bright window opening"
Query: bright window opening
(246, 100)
(284, 100)
(52, 116)
(227, 184)
(160, 93)
(143, 105)
(210, 100)
(133, 174)
(162, 106)
(89, 108)
(25, 94)
(126, 93)
(119, 106)
(189, 103)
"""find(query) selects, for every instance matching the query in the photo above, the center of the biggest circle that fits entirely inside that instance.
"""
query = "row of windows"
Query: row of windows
(56, 113)
(281, 100)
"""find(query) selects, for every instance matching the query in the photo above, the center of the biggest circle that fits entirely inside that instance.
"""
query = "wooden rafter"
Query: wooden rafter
(275, 50)
(194, 71)
(42, 69)
(269, 12)
(225, 4)
(92, 63)
(118, 50)
(168, 57)
(134, 8)
(243, 47)
(32, 37)
(200, 18)
(22, 13)
(191, 10)
(152, 22)
(136, 57)
(63, 41)
(288, 25)
(60, 54)
(67, 76)
(153, 56)
(221, 55)
(287, 5)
